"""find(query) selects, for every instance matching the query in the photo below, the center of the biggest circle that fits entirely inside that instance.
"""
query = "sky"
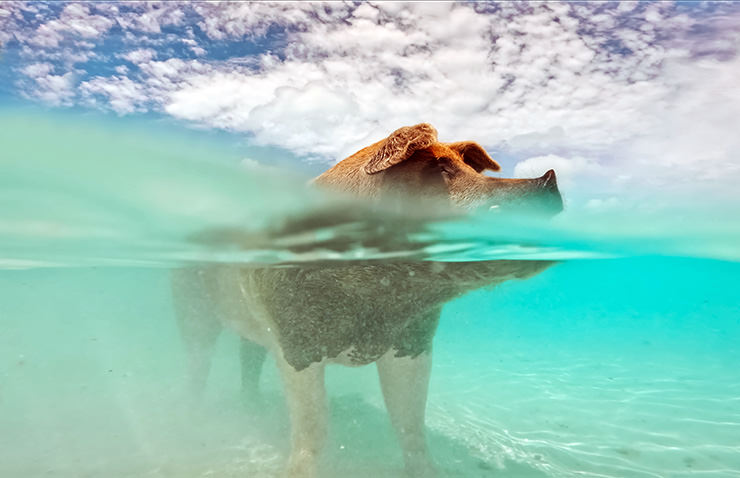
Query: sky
(622, 99)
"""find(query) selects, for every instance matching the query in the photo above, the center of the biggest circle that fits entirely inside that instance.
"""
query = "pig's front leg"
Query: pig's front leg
(306, 399)
(404, 381)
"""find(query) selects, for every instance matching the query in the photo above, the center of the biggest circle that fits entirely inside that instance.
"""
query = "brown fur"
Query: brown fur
(424, 168)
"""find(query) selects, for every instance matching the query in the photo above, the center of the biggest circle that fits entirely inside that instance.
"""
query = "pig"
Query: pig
(359, 312)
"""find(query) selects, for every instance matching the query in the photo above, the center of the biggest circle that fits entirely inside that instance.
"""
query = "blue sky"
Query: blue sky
(618, 97)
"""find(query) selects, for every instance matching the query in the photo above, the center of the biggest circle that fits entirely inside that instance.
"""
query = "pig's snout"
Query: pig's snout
(550, 198)
(549, 181)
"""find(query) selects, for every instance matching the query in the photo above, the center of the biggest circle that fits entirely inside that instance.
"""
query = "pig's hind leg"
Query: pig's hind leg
(252, 357)
(198, 324)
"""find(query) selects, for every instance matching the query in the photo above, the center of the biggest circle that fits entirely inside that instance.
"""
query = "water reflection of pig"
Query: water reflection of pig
(359, 312)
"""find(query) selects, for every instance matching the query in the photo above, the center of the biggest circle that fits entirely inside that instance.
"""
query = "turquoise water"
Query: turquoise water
(619, 361)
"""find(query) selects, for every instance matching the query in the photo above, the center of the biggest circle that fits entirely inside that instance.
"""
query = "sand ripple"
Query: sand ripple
(593, 419)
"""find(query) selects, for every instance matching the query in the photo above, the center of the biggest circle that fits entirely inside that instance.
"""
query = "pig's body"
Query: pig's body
(350, 314)
(358, 313)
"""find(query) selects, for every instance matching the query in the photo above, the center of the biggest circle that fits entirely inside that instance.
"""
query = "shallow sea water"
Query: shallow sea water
(622, 360)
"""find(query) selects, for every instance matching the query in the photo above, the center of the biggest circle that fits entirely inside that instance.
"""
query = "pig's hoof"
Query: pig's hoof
(421, 468)
(301, 465)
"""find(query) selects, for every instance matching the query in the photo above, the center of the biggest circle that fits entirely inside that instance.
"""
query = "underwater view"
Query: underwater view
(619, 359)
(517, 223)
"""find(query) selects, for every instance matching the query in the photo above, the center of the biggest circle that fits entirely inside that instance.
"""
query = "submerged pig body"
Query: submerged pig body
(349, 313)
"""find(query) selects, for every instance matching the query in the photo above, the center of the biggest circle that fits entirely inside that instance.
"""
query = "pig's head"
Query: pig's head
(411, 163)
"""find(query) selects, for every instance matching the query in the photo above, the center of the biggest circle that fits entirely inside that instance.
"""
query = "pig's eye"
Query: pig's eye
(447, 166)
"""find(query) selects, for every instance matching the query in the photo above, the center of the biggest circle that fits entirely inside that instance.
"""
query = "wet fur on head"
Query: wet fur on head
(409, 158)
(400, 145)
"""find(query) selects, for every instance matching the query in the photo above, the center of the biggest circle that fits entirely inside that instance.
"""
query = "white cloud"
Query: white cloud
(253, 19)
(74, 20)
(693, 144)
(140, 55)
(8, 19)
(567, 169)
(35, 70)
(121, 93)
(144, 17)
(539, 76)
(56, 90)
(46, 36)
(66, 57)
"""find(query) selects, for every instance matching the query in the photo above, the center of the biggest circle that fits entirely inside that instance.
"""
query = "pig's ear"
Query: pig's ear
(475, 156)
(400, 145)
